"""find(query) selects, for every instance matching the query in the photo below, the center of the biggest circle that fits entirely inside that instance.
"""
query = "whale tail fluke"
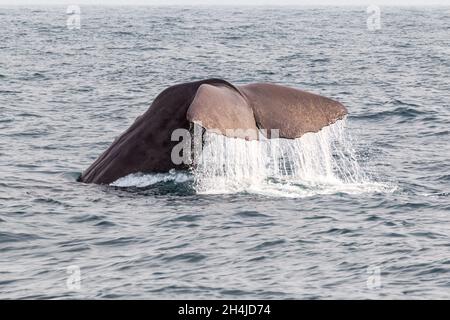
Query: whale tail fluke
(218, 106)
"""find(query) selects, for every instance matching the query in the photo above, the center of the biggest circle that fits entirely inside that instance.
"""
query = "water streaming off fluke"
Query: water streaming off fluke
(322, 162)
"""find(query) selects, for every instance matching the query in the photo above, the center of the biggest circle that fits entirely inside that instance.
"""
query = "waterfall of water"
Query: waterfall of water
(323, 158)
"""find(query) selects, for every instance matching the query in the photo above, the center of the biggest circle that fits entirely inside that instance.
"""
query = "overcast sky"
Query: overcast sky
(225, 2)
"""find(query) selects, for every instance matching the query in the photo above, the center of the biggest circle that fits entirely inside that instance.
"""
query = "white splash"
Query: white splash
(316, 163)
(141, 180)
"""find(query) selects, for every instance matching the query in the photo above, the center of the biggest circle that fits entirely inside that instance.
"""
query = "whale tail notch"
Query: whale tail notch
(233, 111)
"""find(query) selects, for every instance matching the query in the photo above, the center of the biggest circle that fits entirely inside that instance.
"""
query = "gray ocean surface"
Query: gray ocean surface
(65, 94)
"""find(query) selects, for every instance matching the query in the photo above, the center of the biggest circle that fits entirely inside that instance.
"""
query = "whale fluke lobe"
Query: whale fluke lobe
(218, 106)
(223, 109)
(294, 112)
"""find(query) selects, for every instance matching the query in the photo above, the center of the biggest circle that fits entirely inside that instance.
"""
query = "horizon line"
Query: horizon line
(221, 5)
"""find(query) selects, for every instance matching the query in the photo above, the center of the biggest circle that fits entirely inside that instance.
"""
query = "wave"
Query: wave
(141, 180)
(402, 112)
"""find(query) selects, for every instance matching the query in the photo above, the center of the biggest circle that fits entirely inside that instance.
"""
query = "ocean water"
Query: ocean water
(358, 210)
